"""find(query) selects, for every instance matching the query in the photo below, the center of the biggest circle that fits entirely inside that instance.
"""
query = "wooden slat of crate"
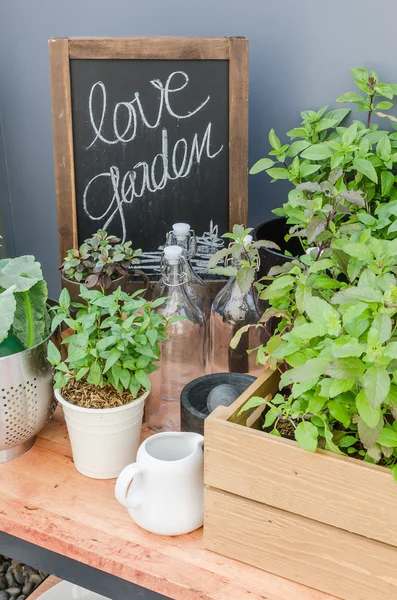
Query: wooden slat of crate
(340, 491)
(329, 559)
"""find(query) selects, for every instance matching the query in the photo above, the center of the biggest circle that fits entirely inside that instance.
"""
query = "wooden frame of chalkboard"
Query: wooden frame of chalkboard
(62, 51)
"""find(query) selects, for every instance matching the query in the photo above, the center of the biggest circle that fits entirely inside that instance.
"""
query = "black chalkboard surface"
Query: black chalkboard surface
(148, 132)
(150, 147)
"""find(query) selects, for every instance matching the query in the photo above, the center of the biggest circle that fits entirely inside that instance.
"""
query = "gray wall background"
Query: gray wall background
(300, 56)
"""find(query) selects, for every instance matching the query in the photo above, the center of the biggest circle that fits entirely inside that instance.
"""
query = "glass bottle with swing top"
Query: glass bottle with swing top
(183, 354)
(181, 235)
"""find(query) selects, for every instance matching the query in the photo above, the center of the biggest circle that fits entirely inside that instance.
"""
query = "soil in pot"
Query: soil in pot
(88, 395)
(284, 427)
(275, 230)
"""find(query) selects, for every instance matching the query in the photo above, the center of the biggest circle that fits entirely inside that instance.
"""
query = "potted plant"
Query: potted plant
(329, 385)
(101, 262)
(364, 153)
(25, 375)
(103, 383)
(322, 472)
(336, 349)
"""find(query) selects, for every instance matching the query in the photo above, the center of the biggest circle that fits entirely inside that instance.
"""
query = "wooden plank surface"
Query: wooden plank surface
(63, 144)
(157, 48)
(44, 587)
(238, 132)
(327, 558)
(340, 491)
(265, 384)
(44, 500)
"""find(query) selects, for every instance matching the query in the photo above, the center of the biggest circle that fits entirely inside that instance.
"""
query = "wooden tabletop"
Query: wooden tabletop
(44, 500)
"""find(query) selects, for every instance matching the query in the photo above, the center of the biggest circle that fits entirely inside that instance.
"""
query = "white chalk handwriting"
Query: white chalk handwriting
(174, 161)
(98, 95)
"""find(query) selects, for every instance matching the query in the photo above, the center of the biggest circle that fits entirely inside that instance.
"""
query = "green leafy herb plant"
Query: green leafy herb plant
(241, 257)
(344, 176)
(99, 260)
(114, 344)
(334, 309)
(336, 348)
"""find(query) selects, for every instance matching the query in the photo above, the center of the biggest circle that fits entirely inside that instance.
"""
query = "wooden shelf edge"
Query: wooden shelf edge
(46, 585)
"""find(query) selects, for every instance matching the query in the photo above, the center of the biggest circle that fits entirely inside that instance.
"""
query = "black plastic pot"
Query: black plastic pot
(275, 231)
(194, 396)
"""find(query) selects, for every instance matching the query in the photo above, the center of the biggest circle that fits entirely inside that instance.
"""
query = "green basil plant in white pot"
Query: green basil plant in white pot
(103, 382)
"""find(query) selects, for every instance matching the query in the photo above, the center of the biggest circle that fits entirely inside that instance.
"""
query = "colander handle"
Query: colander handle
(123, 484)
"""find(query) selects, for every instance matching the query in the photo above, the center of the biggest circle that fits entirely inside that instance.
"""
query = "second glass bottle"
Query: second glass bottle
(183, 354)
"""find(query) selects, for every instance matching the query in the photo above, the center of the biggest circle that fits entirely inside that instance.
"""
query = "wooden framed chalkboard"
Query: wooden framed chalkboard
(147, 132)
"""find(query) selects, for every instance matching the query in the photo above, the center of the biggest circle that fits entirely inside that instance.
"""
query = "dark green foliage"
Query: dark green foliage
(99, 260)
(335, 341)
(342, 176)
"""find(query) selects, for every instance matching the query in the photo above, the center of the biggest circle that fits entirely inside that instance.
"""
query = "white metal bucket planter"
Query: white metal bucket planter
(26, 399)
(103, 440)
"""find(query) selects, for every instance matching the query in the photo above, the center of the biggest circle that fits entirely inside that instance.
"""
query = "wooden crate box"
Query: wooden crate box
(321, 519)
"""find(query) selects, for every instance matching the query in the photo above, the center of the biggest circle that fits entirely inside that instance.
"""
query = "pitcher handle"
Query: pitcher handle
(123, 483)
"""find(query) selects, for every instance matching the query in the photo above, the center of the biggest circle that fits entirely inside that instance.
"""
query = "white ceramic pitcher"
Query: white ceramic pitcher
(163, 490)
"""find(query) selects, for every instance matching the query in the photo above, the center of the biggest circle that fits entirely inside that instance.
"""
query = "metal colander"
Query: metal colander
(26, 399)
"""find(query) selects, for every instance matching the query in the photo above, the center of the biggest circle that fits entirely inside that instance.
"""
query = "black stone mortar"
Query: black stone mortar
(18, 581)
(194, 397)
